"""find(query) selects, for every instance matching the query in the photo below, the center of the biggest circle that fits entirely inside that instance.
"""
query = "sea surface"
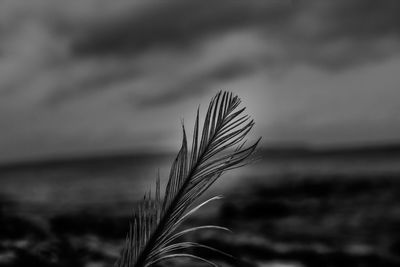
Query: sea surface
(290, 209)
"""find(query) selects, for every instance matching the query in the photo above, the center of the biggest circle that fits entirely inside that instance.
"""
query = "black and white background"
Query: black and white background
(92, 94)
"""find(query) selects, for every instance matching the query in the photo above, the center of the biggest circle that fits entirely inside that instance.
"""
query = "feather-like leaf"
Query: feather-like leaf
(219, 147)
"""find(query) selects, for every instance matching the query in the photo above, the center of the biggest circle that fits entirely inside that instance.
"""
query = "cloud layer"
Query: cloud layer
(98, 75)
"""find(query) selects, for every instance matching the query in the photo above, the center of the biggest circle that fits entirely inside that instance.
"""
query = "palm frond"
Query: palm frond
(153, 232)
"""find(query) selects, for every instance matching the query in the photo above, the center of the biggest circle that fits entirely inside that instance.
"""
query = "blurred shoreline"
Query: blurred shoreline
(294, 207)
(122, 179)
(270, 152)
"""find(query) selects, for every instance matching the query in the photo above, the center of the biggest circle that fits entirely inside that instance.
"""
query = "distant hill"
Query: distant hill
(86, 161)
(388, 150)
(269, 153)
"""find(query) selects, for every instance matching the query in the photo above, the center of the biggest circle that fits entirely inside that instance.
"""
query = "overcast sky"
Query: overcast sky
(92, 76)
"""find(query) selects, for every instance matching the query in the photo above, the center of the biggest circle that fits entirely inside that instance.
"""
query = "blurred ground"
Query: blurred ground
(283, 212)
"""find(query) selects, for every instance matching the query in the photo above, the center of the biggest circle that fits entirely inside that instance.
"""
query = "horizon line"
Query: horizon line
(284, 149)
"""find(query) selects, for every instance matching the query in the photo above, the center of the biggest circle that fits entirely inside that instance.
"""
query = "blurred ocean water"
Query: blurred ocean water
(75, 184)
(284, 211)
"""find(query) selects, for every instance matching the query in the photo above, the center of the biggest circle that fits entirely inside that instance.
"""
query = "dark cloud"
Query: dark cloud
(361, 19)
(176, 24)
(96, 65)
(97, 82)
(197, 85)
(310, 26)
(330, 35)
